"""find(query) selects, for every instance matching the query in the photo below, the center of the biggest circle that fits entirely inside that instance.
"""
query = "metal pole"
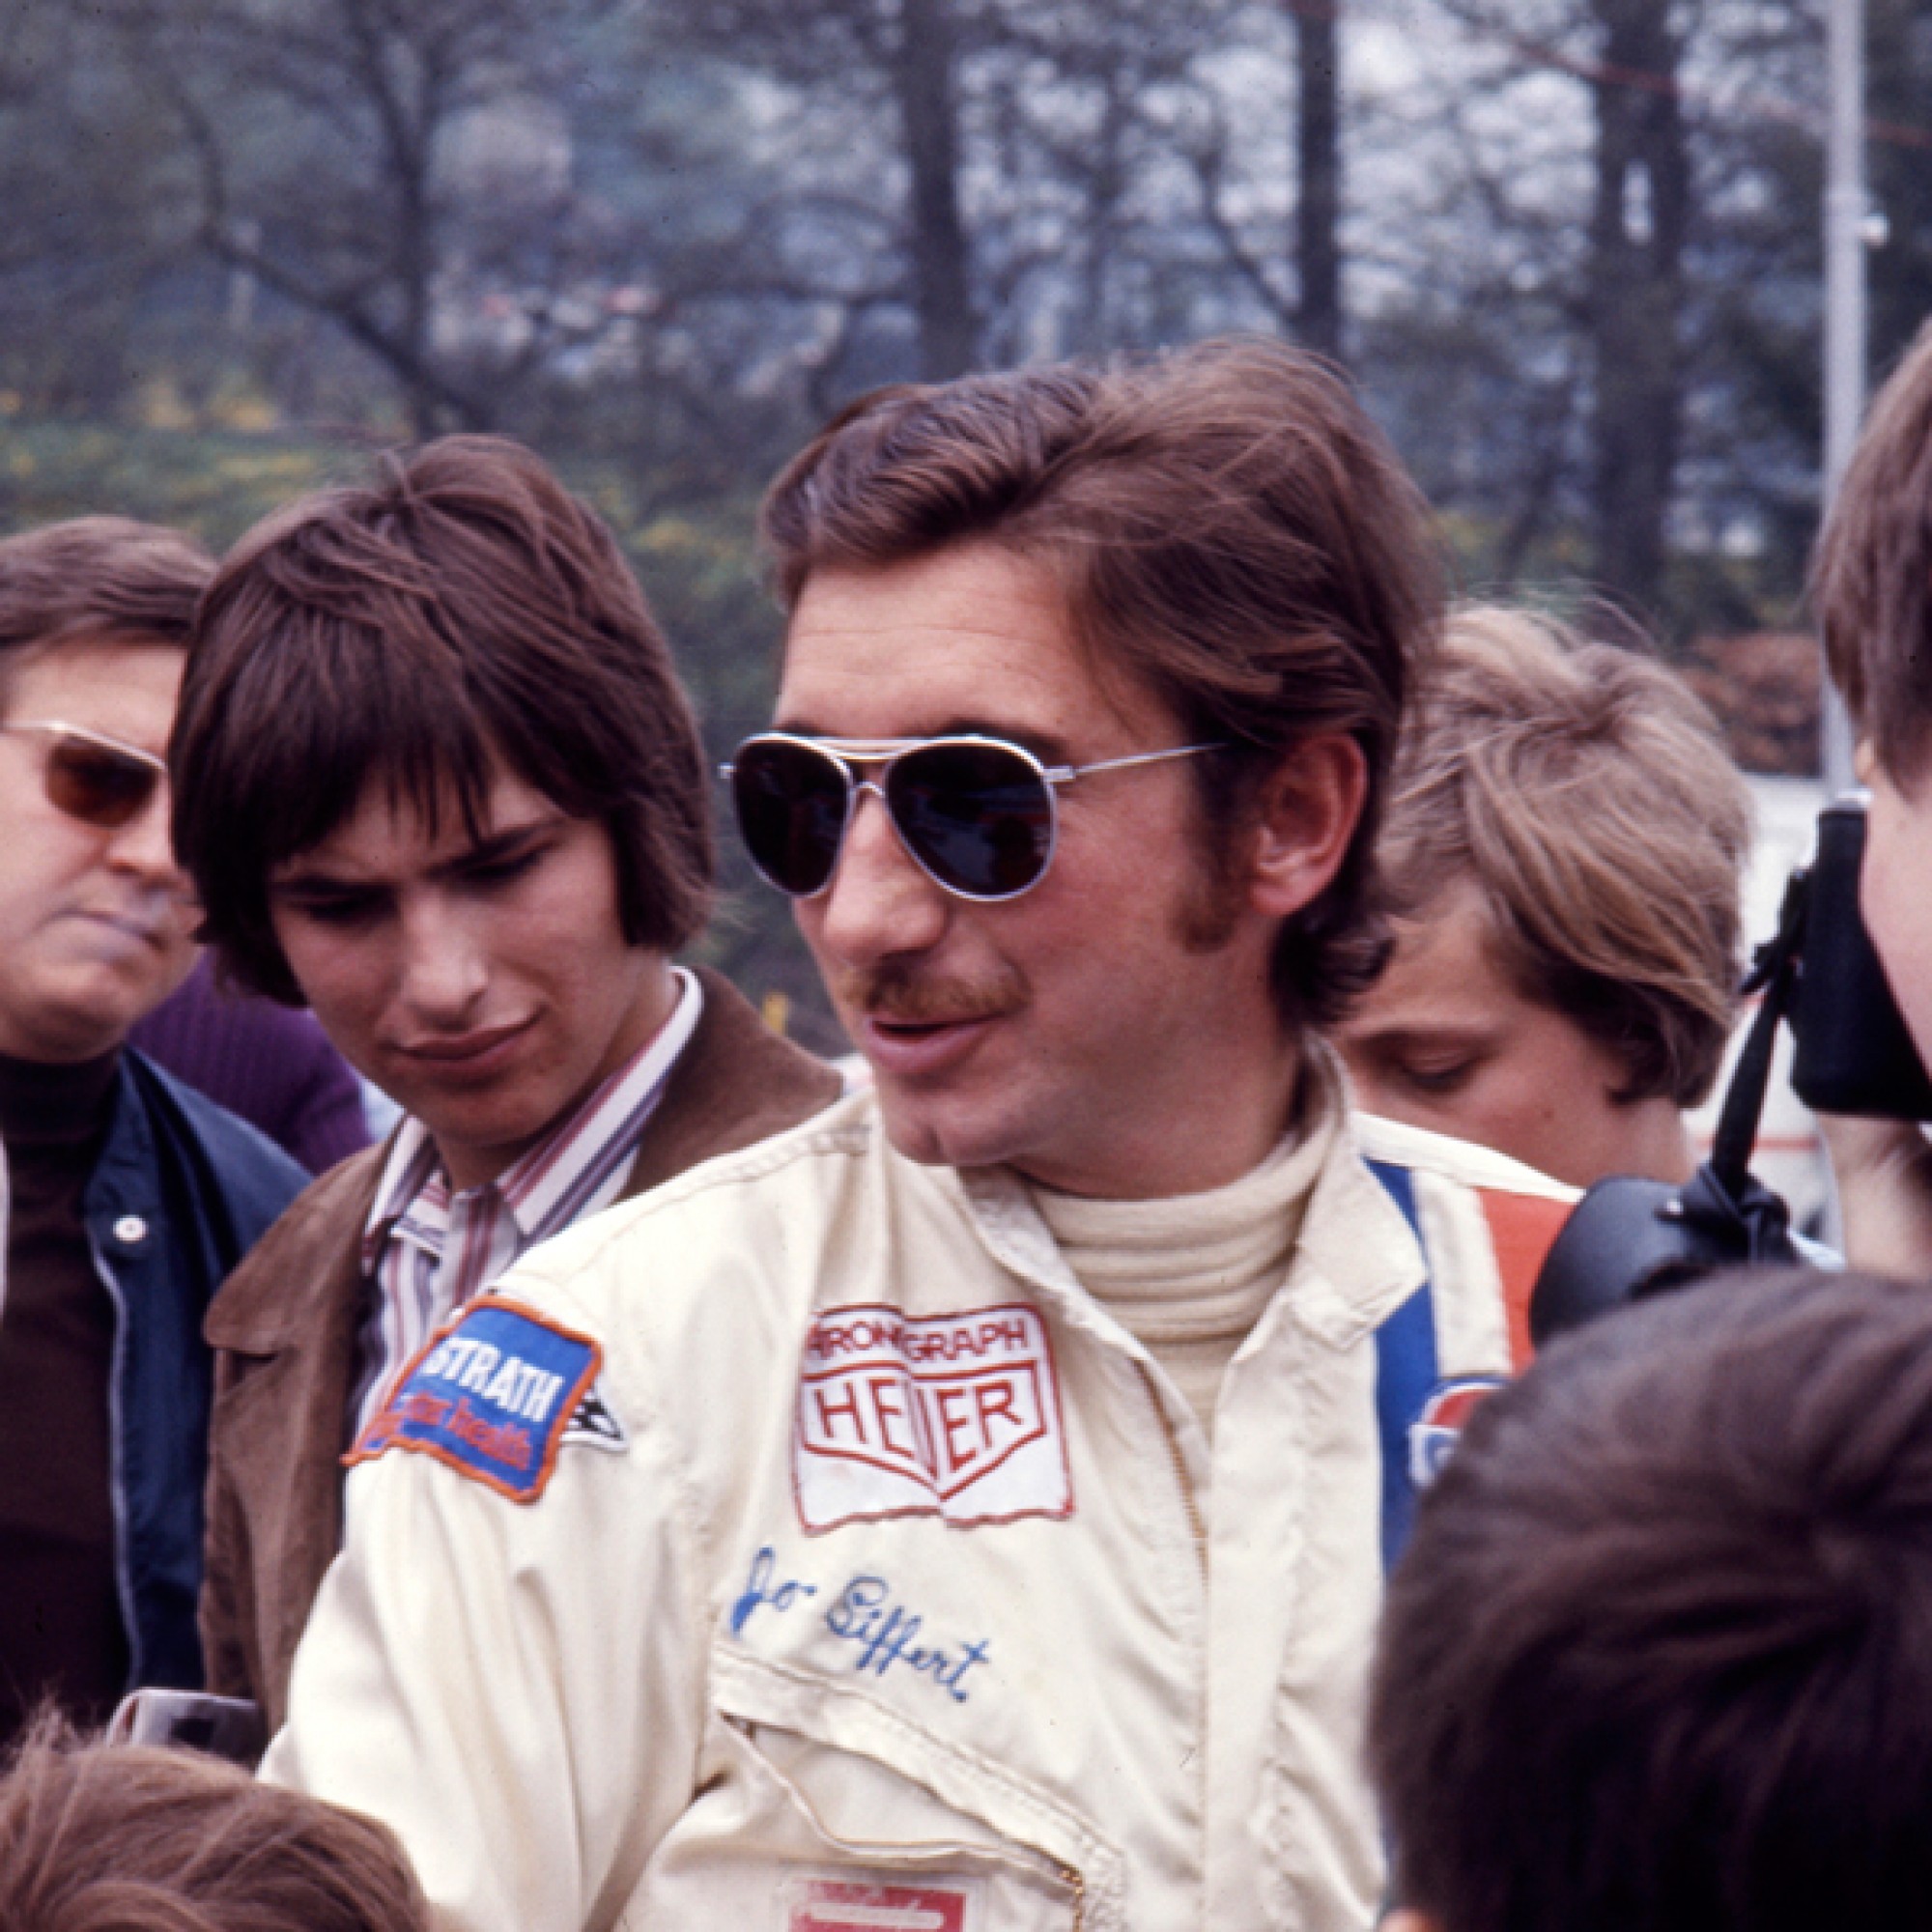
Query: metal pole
(1845, 210)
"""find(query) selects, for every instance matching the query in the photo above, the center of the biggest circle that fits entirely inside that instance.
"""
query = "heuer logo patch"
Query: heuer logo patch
(1435, 1431)
(949, 1416)
(491, 1395)
(853, 1905)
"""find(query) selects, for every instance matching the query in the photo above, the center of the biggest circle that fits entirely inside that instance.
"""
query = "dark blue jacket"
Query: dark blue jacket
(181, 1192)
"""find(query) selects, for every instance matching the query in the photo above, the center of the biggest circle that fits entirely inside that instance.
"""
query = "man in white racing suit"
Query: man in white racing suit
(969, 1510)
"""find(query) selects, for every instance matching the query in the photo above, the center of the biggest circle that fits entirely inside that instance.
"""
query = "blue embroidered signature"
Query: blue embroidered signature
(758, 1591)
(864, 1616)
(884, 1630)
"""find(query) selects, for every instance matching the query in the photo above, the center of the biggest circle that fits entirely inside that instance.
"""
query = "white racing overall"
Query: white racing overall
(801, 1548)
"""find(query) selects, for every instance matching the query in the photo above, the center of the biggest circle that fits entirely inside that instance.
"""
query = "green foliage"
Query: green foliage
(210, 483)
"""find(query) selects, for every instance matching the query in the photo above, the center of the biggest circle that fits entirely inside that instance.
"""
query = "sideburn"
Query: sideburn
(1207, 919)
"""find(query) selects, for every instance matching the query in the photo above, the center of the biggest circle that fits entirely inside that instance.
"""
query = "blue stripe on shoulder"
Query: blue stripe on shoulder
(1405, 1372)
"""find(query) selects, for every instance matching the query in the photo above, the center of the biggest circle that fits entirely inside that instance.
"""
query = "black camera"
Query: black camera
(1853, 1053)
(1628, 1238)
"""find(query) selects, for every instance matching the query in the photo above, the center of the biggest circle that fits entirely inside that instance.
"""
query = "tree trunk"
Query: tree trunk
(1318, 133)
(942, 290)
(1637, 295)
(1898, 78)
(1091, 332)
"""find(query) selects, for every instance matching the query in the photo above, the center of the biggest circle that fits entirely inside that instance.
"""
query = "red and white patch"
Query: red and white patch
(949, 1416)
(848, 1905)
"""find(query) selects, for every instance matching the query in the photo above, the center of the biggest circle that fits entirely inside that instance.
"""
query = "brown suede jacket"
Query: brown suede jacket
(284, 1328)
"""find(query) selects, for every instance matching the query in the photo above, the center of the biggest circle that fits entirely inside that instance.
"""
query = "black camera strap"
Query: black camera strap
(1774, 974)
(1629, 1237)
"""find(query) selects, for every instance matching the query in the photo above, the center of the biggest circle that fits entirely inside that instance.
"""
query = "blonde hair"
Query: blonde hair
(95, 1835)
(1584, 790)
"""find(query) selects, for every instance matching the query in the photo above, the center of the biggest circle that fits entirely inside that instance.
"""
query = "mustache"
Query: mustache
(902, 993)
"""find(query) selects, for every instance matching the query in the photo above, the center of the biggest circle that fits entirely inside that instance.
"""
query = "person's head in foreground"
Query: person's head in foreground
(96, 921)
(1658, 1658)
(1090, 688)
(1563, 851)
(440, 781)
(125, 1838)
(1871, 586)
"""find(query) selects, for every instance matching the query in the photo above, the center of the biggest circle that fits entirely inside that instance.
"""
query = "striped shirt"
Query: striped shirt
(427, 1251)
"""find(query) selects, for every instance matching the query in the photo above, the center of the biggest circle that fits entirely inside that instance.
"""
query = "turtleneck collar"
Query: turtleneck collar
(1190, 1274)
(48, 1103)
(1184, 1246)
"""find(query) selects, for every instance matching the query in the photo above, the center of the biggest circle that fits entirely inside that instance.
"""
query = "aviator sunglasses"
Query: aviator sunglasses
(977, 814)
(94, 779)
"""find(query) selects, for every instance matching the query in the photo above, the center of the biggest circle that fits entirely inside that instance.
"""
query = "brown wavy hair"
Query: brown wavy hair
(1226, 527)
(1658, 1655)
(96, 577)
(1871, 576)
(95, 1836)
(1583, 788)
(461, 607)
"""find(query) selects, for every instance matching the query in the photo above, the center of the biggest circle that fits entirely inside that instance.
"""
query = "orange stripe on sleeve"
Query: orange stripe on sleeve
(1522, 1228)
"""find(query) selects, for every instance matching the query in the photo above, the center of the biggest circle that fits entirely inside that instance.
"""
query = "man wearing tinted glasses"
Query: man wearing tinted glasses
(132, 1196)
(1010, 1457)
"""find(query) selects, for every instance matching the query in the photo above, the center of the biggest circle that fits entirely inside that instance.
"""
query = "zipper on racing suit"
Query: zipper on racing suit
(1189, 1502)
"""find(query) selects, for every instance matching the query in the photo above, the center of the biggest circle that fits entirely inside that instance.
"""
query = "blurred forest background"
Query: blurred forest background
(1570, 248)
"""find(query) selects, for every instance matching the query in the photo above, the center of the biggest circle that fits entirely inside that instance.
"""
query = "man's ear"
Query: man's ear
(1402, 1920)
(1304, 815)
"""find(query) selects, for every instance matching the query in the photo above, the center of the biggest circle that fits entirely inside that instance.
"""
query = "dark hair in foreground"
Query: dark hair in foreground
(1658, 1658)
(1584, 790)
(96, 578)
(1226, 527)
(125, 1838)
(460, 605)
(1871, 577)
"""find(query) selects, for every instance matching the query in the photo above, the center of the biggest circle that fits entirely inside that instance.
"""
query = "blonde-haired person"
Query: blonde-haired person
(96, 1836)
(1563, 852)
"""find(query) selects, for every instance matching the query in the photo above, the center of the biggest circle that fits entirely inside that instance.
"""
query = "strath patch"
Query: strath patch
(879, 1905)
(949, 1416)
(1435, 1431)
(494, 1395)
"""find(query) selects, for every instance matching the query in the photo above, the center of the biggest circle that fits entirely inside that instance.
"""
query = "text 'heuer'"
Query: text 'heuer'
(949, 1415)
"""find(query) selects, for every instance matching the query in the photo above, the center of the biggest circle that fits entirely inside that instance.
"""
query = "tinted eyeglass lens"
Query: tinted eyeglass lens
(791, 813)
(95, 785)
(979, 817)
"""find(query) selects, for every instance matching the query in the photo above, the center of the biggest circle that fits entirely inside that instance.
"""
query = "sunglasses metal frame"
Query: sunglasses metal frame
(58, 729)
(851, 755)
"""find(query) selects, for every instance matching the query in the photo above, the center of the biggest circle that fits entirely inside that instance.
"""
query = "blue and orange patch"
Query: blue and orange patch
(1418, 1413)
(490, 1394)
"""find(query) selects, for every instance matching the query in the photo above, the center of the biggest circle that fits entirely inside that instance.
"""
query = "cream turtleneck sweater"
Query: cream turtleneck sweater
(1190, 1274)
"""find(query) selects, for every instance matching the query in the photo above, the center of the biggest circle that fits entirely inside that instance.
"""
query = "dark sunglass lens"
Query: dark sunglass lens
(791, 813)
(980, 816)
(97, 785)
